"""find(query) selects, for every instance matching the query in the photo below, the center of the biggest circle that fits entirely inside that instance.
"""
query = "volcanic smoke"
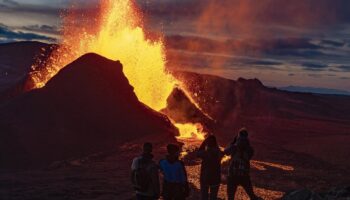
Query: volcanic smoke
(116, 33)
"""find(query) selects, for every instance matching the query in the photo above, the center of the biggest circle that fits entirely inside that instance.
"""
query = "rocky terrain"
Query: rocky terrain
(75, 138)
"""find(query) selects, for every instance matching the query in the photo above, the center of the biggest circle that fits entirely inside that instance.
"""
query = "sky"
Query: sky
(281, 42)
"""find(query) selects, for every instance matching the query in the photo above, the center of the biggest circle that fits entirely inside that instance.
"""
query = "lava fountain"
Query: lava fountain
(116, 33)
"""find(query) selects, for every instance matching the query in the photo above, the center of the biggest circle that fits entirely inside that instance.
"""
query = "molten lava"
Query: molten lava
(117, 34)
(190, 130)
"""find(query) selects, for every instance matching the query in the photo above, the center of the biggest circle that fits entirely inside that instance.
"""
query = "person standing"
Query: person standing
(239, 170)
(175, 183)
(210, 176)
(145, 175)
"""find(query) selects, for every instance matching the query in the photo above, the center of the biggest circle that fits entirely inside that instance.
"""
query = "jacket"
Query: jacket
(152, 168)
(241, 154)
(211, 165)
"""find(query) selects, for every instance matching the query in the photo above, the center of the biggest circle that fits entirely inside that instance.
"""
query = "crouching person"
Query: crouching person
(175, 183)
(145, 175)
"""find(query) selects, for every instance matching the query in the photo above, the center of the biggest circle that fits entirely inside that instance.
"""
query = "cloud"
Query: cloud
(297, 53)
(8, 3)
(331, 75)
(315, 75)
(45, 7)
(7, 34)
(332, 43)
(314, 66)
(344, 68)
(42, 29)
(298, 13)
(263, 62)
(275, 46)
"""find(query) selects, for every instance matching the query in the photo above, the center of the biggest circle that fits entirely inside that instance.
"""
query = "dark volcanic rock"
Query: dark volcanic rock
(16, 60)
(89, 106)
(220, 98)
(182, 110)
(307, 131)
(245, 102)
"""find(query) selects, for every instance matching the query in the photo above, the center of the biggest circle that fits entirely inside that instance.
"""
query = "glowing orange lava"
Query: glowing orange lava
(190, 131)
(117, 33)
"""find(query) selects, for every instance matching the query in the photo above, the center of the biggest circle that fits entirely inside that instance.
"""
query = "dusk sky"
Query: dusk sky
(303, 42)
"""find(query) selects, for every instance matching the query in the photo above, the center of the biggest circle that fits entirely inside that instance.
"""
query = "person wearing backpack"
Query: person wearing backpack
(175, 183)
(145, 175)
(241, 152)
(210, 176)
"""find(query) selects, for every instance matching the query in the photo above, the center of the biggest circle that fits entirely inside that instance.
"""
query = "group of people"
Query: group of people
(145, 171)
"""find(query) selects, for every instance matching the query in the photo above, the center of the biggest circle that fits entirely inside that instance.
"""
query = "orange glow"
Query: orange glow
(117, 34)
(190, 131)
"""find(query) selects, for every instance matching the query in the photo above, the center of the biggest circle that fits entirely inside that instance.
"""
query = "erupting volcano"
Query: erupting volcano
(256, 94)
(117, 33)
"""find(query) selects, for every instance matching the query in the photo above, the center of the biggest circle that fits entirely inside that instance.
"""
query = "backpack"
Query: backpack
(141, 175)
(240, 164)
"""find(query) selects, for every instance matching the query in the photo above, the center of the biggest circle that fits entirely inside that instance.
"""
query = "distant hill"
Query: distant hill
(315, 90)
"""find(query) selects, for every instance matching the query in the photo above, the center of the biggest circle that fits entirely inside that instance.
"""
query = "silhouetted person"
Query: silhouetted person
(145, 175)
(175, 185)
(210, 177)
(239, 171)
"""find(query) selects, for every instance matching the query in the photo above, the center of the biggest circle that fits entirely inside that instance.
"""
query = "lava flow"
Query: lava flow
(116, 33)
